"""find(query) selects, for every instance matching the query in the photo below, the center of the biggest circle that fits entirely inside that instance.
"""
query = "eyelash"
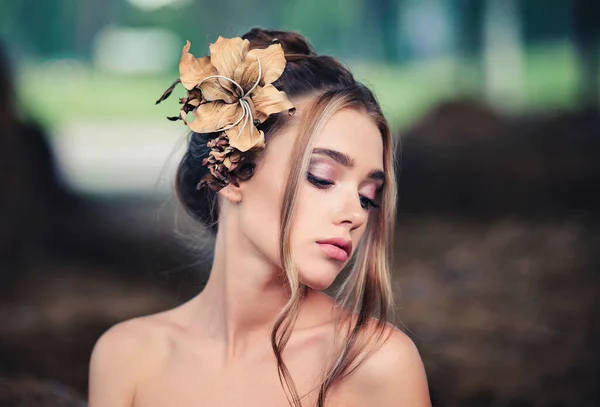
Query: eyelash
(319, 182)
(365, 203)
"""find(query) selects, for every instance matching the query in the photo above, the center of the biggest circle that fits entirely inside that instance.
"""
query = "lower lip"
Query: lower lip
(334, 252)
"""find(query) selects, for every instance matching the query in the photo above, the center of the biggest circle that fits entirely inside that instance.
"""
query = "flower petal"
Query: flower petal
(272, 64)
(167, 92)
(250, 137)
(218, 155)
(212, 182)
(268, 100)
(232, 161)
(226, 54)
(213, 116)
(192, 70)
(212, 90)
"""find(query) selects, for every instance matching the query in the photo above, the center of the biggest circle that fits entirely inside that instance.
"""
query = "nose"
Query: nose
(349, 210)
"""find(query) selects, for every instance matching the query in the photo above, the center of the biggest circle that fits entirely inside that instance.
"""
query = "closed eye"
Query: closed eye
(319, 182)
(368, 203)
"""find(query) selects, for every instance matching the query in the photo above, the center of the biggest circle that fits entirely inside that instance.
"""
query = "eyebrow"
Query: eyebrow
(336, 156)
(347, 161)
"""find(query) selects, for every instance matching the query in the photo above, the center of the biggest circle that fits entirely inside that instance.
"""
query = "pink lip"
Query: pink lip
(337, 248)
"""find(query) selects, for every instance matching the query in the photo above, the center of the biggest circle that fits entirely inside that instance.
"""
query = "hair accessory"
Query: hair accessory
(230, 93)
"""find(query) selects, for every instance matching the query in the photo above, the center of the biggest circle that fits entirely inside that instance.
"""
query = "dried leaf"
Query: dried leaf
(193, 102)
(260, 143)
(230, 165)
(236, 156)
(226, 54)
(212, 182)
(220, 172)
(233, 160)
(167, 92)
(212, 90)
(268, 100)
(250, 137)
(192, 70)
(209, 117)
(272, 64)
(220, 141)
(218, 155)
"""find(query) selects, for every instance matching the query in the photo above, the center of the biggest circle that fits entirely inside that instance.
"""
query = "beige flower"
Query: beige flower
(236, 87)
(228, 93)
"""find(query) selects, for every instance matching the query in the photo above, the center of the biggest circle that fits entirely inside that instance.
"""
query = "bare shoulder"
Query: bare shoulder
(393, 375)
(398, 352)
(131, 338)
(123, 356)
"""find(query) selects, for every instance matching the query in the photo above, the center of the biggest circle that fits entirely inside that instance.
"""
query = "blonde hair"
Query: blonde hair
(366, 294)
(365, 297)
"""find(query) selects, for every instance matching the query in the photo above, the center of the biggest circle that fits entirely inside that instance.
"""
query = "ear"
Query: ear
(232, 192)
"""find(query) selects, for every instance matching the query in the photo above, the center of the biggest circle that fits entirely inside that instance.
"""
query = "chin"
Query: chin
(321, 279)
(319, 286)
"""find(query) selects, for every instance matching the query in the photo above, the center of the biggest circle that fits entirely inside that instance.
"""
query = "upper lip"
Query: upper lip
(344, 244)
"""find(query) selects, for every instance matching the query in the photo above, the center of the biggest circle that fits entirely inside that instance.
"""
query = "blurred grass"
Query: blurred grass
(59, 92)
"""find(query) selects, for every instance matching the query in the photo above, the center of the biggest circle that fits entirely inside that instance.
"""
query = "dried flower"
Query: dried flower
(231, 89)
(230, 92)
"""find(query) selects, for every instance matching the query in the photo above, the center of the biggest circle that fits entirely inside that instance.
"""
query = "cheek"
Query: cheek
(310, 214)
(312, 222)
(259, 216)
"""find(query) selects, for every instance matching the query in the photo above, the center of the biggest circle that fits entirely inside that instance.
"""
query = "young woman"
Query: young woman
(290, 163)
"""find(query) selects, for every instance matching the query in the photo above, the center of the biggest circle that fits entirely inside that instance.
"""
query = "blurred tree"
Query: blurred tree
(470, 24)
(385, 13)
(89, 18)
(33, 197)
(545, 20)
(586, 33)
(503, 57)
(8, 12)
(328, 25)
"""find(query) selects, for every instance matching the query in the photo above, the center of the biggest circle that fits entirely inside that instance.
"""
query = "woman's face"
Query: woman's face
(342, 186)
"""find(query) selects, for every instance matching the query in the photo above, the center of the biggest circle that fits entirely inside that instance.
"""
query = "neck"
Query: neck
(245, 293)
(243, 296)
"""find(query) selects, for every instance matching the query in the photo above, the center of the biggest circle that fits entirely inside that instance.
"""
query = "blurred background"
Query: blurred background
(495, 103)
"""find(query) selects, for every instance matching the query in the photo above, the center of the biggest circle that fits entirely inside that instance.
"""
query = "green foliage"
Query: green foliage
(405, 92)
(349, 29)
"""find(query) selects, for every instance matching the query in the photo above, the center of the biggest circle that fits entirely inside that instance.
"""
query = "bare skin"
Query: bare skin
(215, 350)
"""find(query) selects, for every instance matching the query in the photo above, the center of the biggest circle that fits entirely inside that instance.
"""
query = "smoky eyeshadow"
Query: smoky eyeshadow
(321, 169)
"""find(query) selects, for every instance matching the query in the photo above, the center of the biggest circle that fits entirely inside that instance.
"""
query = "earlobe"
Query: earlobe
(232, 193)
